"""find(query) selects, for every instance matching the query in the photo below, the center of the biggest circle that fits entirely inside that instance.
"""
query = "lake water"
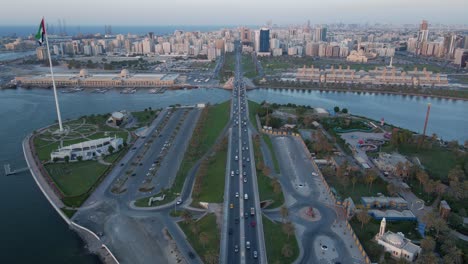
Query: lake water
(32, 232)
(6, 56)
(448, 118)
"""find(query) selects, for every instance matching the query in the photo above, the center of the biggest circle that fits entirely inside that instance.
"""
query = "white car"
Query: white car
(314, 174)
(232, 173)
(237, 194)
(179, 201)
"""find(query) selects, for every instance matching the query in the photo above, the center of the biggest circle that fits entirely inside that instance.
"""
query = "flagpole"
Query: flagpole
(53, 79)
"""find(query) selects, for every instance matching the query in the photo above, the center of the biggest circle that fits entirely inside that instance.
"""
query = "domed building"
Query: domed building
(397, 244)
(124, 73)
(84, 73)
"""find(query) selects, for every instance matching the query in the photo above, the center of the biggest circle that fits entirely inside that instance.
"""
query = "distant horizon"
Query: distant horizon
(258, 12)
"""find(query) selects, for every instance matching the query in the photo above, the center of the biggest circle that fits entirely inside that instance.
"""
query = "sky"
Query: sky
(232, 12)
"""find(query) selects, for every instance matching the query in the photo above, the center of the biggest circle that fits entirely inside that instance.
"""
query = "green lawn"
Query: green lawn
(370, 229)
(267, 140)
(44, 148)
(265, 187)
(275, 239)
(228, 67)
(212, 189)
(360, 188)
(68, 212)
(144, 117)
(75, 178)
(253, 108)
(208, 226)
(248, 66)
(438, 161)
(218, 117)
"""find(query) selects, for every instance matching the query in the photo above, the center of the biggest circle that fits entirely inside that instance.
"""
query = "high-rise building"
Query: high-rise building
(460, 56)
(245, 35)
(264, 40)
(41, 53)
(148, 45)
(323, 34)
(422, 37)
(320, 34)
(257, 40)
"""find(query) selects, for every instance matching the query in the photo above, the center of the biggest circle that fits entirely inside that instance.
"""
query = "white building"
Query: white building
(88, 149)
(397, 244)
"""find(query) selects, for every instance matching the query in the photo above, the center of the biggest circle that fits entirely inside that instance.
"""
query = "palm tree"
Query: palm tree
(186, 216)
(211, 257)
(288, 228)
(195, 228)
(422, 177)
(204, 239)
(276, 186)
(284, 212)
(286, 250)
(370, 177)
(428, 244)
(353, 181)
(363, 217)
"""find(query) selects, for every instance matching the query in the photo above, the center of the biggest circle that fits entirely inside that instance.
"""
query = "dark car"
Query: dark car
(230, 231)
(236, 220)
(253, 224)
(191, 255)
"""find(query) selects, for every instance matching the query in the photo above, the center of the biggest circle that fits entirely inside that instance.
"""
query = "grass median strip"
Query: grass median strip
(211, 123)
(211, 175)
(269, 188)
(253, 108)
(268, 142)
(204, 236)
(280, 246)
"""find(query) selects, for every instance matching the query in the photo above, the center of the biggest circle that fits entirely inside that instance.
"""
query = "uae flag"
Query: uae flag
(40, 33)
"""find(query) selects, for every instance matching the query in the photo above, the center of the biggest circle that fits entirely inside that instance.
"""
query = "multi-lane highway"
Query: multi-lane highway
(243, 242)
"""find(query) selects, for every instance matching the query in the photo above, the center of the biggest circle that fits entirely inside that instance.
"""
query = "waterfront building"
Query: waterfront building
(357, 56)
(396, 243)
(20, 44)
(87, 150)
(378, 76)
(41, 53)
(84, 79)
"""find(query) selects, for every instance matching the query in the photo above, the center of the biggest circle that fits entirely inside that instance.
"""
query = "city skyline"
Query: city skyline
(209, 12)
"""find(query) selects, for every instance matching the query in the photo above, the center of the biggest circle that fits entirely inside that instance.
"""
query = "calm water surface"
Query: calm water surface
(448, 118)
